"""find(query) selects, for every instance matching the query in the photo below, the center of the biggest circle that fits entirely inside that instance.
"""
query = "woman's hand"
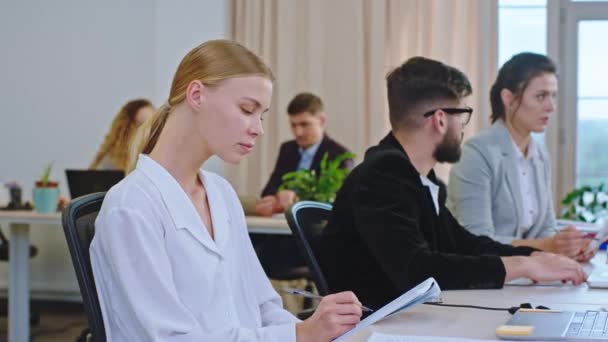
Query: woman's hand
(570, 242)
(335, 315)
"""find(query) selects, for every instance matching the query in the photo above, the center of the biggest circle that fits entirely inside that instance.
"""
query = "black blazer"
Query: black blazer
(289, 158)
(384, 236)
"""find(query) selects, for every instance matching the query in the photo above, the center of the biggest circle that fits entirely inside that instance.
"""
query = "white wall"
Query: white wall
(66, 67)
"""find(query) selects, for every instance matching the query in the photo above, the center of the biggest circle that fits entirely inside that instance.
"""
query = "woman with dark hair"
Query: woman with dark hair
(501, 187)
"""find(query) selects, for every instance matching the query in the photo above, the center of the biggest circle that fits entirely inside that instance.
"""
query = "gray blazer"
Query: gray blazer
(484, 191)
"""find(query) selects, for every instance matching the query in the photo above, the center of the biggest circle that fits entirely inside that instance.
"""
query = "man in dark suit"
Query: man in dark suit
(306, 151)
(390, 229)
(279, 254)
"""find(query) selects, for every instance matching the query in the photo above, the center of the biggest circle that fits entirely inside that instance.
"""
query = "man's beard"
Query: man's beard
(448, 150)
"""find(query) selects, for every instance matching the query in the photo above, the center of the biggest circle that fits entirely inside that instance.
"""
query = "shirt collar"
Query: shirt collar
(183, 213)
(532, 149)
(310, 151)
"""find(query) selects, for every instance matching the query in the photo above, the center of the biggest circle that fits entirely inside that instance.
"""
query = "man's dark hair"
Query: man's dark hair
(418, 82)
(515, 75)
(305, 102)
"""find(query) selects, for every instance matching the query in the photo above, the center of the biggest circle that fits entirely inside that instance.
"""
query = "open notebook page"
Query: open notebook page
(424, 292)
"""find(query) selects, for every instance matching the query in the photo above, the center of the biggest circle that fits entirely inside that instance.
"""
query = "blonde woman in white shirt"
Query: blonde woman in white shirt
(501, 187)
(171, 255)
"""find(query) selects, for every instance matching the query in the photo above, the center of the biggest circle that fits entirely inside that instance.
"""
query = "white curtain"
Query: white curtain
(342, 50)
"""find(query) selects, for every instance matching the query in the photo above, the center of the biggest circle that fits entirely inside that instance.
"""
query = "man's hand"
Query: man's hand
(266, 206)
(550, 267)
(286, 198)
(544, 267)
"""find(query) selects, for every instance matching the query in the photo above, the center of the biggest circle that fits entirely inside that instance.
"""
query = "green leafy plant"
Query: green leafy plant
(45, 179)
(323, 188)
(587, 203)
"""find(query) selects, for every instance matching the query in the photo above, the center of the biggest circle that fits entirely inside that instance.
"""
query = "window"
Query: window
(522, 26)
(592, 104)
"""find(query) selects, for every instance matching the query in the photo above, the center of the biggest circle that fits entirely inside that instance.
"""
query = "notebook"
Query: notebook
(426, 291)
(555, 326)
(83, 182)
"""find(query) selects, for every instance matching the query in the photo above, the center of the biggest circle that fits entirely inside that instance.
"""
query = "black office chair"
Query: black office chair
(307, 219)
(79, 226)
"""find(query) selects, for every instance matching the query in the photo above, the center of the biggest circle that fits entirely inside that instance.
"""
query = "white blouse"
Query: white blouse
(161, 277)
(527, 185)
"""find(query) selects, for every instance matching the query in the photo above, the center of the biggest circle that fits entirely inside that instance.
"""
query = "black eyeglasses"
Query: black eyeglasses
(453, 111)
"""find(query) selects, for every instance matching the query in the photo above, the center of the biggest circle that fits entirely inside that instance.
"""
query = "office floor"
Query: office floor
(59, 321)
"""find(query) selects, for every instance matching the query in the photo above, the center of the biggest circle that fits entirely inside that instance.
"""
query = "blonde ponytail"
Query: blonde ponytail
(147, 135)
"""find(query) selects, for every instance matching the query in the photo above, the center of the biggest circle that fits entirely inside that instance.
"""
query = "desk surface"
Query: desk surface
(255, 224)
(427, 320)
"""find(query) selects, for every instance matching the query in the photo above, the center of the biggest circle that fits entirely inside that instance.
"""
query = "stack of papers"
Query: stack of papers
(426, 291)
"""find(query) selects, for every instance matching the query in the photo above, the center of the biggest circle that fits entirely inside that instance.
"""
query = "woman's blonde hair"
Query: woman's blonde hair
(210, 63)
(117, 142)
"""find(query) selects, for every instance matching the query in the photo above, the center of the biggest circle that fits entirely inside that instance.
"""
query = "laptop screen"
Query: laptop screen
(83, 182)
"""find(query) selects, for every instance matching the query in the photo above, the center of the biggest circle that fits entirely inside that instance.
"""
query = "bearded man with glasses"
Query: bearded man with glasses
(390, 229)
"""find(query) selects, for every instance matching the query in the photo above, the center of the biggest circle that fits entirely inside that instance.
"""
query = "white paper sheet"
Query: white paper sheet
(425, 291)
(378, 337)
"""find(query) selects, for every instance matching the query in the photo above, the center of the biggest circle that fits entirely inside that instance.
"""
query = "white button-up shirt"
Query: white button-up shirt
(434, 189)
(161, 277)
(527, 185)
(307, 155)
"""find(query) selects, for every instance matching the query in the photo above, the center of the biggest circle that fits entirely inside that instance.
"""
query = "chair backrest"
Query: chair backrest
(79, 226)
(307, 219)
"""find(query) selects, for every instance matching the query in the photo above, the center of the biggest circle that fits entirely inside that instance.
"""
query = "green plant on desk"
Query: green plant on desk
(45, 178)
(323, 188)
(587, 203)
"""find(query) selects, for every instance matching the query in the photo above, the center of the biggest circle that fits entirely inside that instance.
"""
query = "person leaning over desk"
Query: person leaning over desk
(171, 256)
(390, 230)
(501, 187)
(307, 119)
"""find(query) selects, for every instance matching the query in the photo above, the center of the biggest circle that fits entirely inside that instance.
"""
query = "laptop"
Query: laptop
(555, 326)
(83, 182)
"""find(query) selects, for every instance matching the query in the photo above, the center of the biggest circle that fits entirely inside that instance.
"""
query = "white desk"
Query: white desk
(427, 320)
(19, 223)
(267, 225)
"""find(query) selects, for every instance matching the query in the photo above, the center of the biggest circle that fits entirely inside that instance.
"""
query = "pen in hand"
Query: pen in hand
(307, 294)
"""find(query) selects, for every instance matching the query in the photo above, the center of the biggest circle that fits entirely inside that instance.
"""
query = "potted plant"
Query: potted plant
(46, 192)
(322, 188)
